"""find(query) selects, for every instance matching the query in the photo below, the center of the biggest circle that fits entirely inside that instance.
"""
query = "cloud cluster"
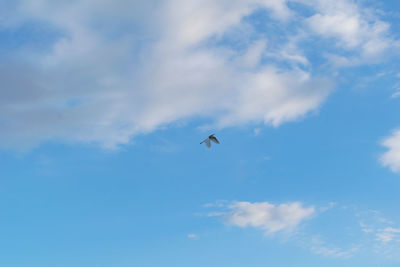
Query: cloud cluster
(354, 27)
(103, 73)
(266, 216)
(391, 158)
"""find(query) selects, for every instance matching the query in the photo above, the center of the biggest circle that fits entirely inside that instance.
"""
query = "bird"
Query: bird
(207, 140)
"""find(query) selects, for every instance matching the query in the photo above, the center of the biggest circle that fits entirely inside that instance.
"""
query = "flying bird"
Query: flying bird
(207, 140)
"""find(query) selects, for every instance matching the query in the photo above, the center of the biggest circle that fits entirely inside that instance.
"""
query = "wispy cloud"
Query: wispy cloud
(382, 235)
(317, 246)
(388, 234)
(356, 230)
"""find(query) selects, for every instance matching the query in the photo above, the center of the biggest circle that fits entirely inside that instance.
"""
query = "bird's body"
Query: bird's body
(208, 140)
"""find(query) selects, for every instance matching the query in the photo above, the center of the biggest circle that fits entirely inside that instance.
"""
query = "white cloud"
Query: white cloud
(340, 25)
(268, 217)
(380, 235)
(112, 74)
(388, 234)
(193, 236)
(113, 71)
(253, 54)
(391, 158)
(193, 21)
(354, 231)
(352, 25)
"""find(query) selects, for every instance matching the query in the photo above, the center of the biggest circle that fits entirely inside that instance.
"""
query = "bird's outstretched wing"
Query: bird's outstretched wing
(214, 139)
(208, 143)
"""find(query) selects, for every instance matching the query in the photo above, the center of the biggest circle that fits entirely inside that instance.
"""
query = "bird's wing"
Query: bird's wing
(207, 141)
(214, 139)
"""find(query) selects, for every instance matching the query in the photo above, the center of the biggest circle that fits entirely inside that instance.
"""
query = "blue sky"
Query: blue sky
(103, 106)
